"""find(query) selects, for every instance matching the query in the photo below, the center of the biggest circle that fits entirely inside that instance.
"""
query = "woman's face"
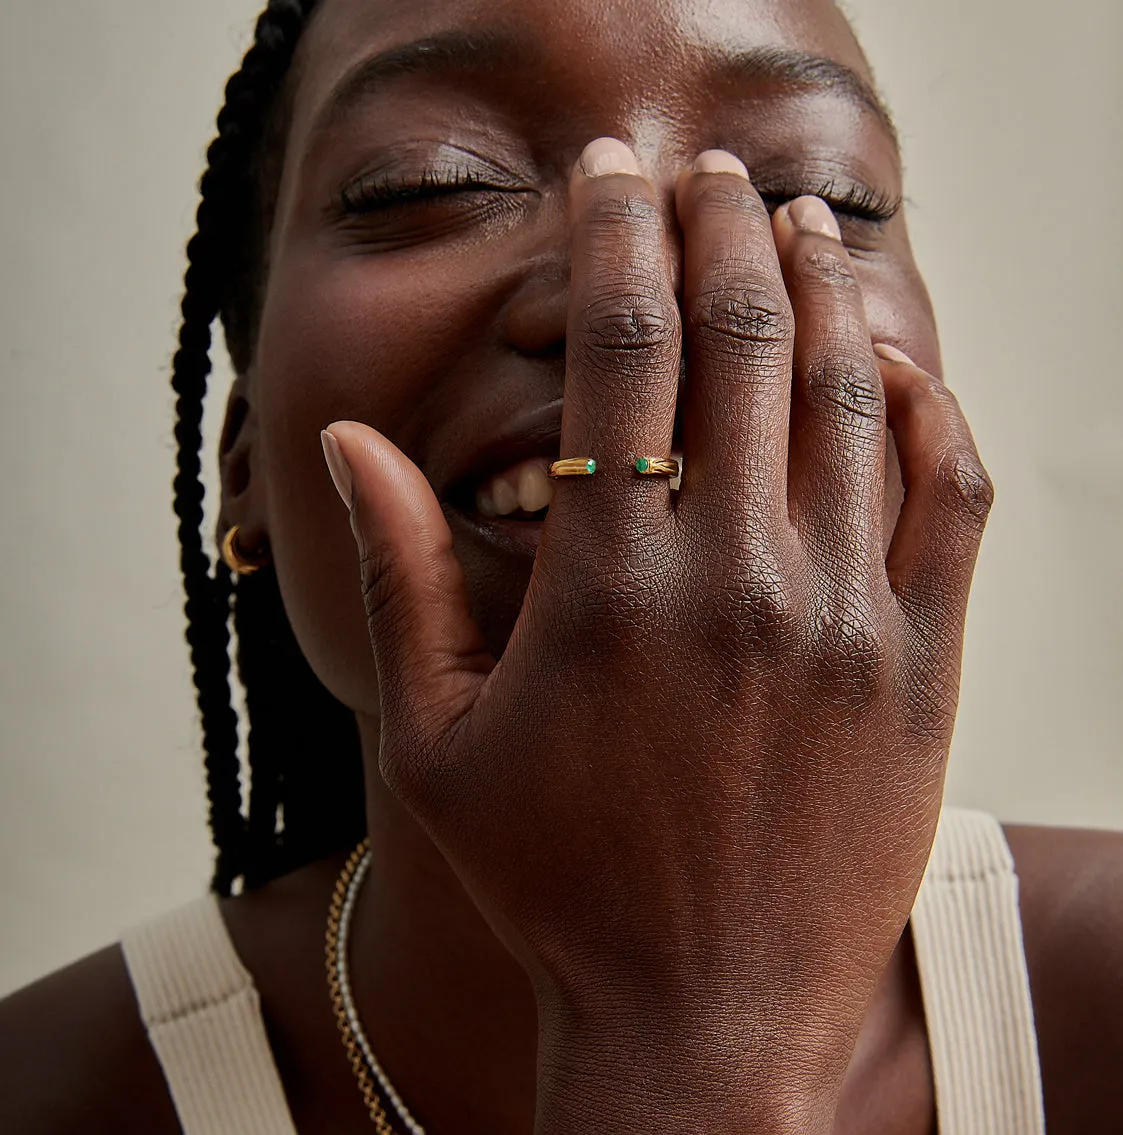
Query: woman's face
(419, 256)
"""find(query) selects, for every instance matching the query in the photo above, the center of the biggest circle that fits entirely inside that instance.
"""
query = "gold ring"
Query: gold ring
(573, 467)
(658, 467)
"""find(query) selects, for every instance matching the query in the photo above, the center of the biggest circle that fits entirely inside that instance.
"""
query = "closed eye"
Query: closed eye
(847, 199)
(373, 192)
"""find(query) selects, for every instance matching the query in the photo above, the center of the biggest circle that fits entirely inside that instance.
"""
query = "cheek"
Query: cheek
(356, 340)
(899, 311)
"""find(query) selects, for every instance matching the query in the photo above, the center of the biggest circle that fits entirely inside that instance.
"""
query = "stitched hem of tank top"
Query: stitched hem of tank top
(202, 1006)
(945, 875)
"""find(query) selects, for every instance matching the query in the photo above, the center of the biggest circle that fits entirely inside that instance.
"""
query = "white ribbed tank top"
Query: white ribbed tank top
(203, 1013)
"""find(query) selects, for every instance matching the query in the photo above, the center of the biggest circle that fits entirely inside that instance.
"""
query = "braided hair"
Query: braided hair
(305, 774)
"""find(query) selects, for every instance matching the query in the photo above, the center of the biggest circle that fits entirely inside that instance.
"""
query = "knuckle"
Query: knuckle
(850, 648)
(755, 610)
(633, 319)
(720, 196)
(827, 268)
(611, 216)
(851, 388)
(751, 606)
(966, 486)
(751, 315)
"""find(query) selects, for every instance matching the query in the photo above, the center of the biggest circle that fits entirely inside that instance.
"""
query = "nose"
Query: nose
(536, 314)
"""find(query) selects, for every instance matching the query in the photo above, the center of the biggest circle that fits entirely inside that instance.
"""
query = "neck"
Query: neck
(448, 1011)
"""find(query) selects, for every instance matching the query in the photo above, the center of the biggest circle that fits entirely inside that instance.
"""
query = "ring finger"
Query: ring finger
(836, 468)
(739, 330)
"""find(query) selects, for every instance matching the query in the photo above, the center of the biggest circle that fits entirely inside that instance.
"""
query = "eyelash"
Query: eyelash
(372, 192)
(857, 202)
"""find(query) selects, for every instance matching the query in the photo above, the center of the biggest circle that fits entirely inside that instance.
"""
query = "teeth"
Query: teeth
(525, 487)
(505, 496)
(485, 504)
(535, 490)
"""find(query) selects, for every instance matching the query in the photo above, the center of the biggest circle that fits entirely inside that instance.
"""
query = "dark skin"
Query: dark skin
(438, 323)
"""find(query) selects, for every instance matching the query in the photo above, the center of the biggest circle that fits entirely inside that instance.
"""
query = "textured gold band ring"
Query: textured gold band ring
(658, 467)
(573, 467)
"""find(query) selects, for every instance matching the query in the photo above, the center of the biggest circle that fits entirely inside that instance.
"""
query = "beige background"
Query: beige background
(1010, 120)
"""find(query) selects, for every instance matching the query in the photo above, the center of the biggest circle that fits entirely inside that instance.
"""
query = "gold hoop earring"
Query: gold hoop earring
(236, 559)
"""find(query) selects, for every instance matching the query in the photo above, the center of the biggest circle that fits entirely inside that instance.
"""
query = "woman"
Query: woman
(650, 775)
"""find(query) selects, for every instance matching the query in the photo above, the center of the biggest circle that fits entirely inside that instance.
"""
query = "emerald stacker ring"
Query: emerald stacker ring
(645, 466)
(573, 467)
(658, 467)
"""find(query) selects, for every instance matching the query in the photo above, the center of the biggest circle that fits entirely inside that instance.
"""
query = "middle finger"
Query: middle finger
(622, 348)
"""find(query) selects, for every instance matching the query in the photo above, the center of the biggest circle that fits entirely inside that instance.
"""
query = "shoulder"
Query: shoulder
(74, 1055)
(1071, 896)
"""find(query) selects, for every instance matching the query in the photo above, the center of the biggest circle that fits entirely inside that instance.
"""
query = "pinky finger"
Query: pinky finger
(948, 495)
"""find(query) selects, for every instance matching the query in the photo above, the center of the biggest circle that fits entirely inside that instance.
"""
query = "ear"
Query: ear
(242, 498)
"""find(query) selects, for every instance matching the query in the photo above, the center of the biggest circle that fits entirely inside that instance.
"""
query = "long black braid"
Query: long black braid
(305, 774)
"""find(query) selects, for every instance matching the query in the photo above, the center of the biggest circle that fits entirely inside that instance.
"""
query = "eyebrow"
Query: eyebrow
(808, 73)
(481, 53)
(448, 53)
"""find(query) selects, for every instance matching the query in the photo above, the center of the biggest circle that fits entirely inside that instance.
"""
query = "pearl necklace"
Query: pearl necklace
(359, 1052)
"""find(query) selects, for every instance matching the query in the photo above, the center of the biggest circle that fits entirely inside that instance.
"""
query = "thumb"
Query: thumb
(430, 654)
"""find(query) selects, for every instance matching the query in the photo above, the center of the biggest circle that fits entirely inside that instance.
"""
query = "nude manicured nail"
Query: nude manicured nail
(891, 353)
(607, 156)
(337, 466)
(813, 215)
(720, 161)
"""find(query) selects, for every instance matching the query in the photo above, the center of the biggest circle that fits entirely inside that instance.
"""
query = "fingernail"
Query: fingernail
(720, 161)
(886, 351)
(606, 156)
(337, 466)
(813, 215)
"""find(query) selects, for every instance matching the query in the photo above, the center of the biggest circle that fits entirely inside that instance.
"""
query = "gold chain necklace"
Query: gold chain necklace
(360, 1055)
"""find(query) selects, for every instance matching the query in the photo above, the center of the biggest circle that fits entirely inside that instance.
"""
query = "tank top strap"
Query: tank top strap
(203, 1013)
(968, 934)
(203, 1016)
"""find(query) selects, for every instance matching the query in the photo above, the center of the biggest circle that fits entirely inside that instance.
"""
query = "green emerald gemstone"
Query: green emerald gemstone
(642, 465)
(591, 465)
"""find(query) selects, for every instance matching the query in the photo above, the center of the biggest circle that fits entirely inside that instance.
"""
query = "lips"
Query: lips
(509, 470)
(507, 478)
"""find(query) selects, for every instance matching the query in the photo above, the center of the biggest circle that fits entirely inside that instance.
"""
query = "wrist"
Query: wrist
(717, 1079)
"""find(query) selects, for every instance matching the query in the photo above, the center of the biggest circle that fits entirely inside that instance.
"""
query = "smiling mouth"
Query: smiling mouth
(504, 486)
(522, 492)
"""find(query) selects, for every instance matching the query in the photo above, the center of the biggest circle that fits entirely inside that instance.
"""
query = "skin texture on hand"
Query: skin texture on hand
(447, 325)
(649, 649)
(418, 281)
(737, 667)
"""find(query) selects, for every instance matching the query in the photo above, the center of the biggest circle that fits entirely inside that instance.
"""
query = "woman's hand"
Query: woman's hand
(696, 796)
